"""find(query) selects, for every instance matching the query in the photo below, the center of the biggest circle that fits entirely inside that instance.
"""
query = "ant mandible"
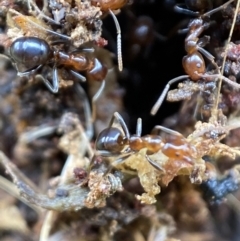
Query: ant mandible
(111, 142)
(193, 62)
(33, 53)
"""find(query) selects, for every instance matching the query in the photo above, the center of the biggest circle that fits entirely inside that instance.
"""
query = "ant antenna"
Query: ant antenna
(139, 127)
(87, 111)
(95, 98)
(159, 102)
(119, 42)
(216, 9)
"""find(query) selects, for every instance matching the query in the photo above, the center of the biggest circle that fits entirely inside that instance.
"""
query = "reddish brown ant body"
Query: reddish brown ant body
(33, 53)
(111, 142)
(193, 62)
(106, 5)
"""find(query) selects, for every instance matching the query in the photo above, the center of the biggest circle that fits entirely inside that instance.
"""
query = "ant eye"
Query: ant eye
(121, 141)
(35, 59)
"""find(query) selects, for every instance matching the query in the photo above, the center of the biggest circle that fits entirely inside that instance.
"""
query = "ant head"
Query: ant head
(30, 51)
(111, 140)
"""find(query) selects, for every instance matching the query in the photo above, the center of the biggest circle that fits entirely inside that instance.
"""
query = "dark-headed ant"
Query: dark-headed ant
(193, 62)
(111, 142)
(33, 53)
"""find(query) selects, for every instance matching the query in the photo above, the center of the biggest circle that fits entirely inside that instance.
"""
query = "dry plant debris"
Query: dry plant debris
(95, 180)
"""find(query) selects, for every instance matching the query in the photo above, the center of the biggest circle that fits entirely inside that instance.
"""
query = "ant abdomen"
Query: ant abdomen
(99, 71)
(30, 51)
(178, 148)
(105, 5)
(143, 31)
(194, 65)
(110, 139)
(181, 153)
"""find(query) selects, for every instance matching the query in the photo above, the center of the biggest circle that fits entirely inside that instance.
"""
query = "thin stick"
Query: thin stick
(11, 189)
(224, 60)
(47, 225)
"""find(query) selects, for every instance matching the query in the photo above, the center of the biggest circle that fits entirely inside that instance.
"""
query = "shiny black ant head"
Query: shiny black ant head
(111, 140)
(30, 51)
(198, 5)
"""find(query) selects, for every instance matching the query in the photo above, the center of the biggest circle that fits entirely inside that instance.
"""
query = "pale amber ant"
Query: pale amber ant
(111, 142)
(193, 62)
(33, 53)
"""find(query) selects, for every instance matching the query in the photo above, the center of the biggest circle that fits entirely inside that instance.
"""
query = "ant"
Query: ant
(33, 53)
(193, 62)
(111, 142)
(142, 35)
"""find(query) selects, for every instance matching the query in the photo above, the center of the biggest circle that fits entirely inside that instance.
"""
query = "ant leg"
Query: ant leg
(139, 127)
(57, 42)
(119, 43)
(217, 9)
(206, 54)
(26, 73)
(118, 117)
(209, 57)
(165, 129)
(157, 105)
(87, 111)
(154, 164)
(52, 87)
(88, 50)
(116, 162)
(219, 76)
(179, 9)
(121, 159)
(38, 132)
(95, 98)
(203, 41)
(107, 153)
(78, 76)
